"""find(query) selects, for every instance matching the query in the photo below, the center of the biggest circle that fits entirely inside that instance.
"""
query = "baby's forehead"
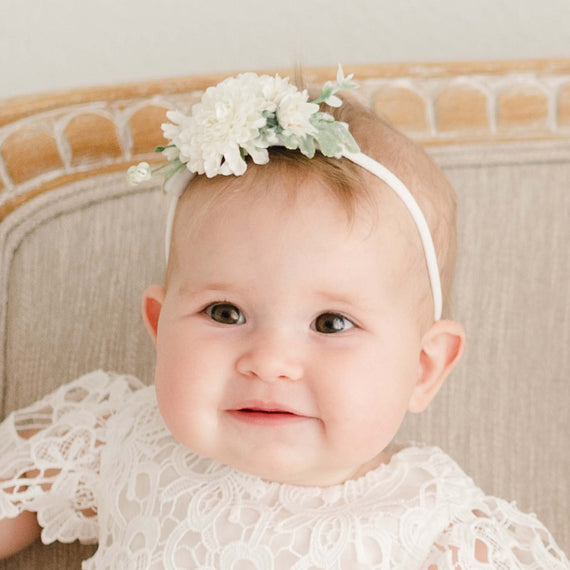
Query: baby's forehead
(361, 203)
(370, 218)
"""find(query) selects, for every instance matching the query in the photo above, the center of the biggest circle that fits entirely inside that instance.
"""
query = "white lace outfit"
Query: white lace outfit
(104, 468)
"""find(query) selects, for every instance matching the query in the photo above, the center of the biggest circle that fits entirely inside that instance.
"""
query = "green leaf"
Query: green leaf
(342, 134)
(307, 146)
(291, 142)
(328, 141)
(161, 148)
(326, 92)
(321, 119)
(271, 120)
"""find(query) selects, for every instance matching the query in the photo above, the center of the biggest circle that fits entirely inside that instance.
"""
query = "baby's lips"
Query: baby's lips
(269, 407)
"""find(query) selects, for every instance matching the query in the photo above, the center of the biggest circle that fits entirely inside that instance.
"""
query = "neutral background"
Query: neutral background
(60, 44)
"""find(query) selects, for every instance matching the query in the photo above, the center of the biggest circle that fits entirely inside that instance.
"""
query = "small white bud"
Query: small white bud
(139, 173)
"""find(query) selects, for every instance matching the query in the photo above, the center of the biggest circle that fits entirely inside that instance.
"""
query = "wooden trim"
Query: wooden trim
(55, 138)
(15, 108)
(11, 205)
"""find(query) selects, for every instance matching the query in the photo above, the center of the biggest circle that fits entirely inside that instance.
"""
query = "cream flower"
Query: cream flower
(227, 120)
(294, 114)
(139, 173)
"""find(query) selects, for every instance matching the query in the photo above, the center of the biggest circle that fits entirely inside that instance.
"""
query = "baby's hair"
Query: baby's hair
(350, 184)
(424, 179)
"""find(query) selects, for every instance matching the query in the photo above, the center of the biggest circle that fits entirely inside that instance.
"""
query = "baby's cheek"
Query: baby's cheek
(187, 401)
(170, 402)
(366, 416)
(180, 414)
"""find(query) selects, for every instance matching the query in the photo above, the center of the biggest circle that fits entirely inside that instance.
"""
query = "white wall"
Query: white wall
(61, 44)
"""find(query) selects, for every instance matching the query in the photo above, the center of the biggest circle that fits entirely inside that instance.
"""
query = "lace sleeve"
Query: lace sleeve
(50, 453)
(496, 536)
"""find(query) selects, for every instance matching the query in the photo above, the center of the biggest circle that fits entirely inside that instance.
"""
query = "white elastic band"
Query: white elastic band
(402, 191)
(176, 185)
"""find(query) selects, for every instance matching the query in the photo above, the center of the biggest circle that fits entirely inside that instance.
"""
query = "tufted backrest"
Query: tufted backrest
(78, 246)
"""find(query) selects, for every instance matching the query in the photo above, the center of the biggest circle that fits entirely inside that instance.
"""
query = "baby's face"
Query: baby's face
(288, 344)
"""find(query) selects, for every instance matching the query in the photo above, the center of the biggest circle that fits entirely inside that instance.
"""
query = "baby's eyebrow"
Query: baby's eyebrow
(341, 297)
(189, 290)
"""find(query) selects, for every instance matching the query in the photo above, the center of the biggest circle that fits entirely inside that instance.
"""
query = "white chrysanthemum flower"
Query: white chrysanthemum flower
(172, 131)
(275, 88)
(291, 105)
(227, 120)
(139, 173)
(294, 114)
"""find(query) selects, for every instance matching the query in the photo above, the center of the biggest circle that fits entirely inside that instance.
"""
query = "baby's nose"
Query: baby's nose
(270, 357)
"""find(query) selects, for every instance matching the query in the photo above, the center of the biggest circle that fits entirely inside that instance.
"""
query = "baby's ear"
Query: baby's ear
(442, 347)
(153, 297)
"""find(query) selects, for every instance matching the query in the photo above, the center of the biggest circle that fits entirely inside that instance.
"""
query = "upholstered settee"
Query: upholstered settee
(78, 246)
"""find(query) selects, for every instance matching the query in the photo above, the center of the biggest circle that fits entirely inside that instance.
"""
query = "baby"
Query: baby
(299, 320)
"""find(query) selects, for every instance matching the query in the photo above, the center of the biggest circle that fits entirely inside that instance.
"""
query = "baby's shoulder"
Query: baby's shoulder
(96, 387)
(494, 533)
(91, 399)
(433, 471)
(479, 530)
(51, 453)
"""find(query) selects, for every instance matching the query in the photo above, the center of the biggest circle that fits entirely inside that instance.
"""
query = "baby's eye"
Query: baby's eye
(225, 313)
(332, 323)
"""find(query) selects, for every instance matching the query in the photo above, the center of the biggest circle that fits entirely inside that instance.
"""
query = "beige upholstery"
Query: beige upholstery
(75, 258)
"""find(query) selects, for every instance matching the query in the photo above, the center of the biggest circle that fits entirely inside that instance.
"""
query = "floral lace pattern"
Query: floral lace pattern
(96, 462)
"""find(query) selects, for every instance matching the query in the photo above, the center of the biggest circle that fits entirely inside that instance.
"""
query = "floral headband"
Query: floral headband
(244, 116)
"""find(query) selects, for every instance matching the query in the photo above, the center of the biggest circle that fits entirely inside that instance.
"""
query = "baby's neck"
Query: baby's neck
(383, 458)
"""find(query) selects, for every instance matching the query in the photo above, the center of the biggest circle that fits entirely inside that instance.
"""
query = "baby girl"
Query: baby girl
(310, 257)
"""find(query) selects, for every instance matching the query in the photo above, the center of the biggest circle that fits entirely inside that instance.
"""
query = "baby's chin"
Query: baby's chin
(274, 469)
(301, 475)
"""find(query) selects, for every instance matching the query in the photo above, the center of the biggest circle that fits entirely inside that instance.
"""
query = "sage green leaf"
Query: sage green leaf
(321, 117)
(326, 92)
(342, 134)
(328, 141)
(291, 142)
(307, 146)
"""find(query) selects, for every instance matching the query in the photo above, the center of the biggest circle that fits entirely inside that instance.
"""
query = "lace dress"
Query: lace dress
(102, 467)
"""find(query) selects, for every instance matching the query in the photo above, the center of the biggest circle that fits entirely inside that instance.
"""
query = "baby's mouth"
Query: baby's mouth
(260, 411)
(265, 415)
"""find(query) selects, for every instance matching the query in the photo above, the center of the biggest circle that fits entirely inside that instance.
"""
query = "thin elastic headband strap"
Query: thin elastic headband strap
(176, 185)
(405, 195)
